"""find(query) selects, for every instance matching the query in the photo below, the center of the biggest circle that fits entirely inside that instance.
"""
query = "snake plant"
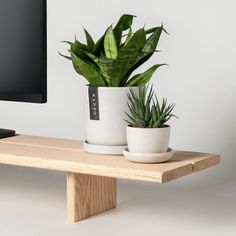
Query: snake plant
(145, 110)
(111, 61)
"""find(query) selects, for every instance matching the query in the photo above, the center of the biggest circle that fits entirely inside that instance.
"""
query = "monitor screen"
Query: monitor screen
(23, 50)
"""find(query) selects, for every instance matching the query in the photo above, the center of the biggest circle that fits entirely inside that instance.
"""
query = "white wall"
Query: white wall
(200, 51)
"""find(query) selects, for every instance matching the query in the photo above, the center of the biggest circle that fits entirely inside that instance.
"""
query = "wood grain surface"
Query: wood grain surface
(89, 195)
(68, 155)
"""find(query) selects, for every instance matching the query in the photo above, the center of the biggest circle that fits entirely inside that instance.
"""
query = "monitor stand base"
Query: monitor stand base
(6, 133)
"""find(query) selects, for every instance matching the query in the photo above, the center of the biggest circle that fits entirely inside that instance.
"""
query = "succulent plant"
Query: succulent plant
(145, 110)
(111, 61)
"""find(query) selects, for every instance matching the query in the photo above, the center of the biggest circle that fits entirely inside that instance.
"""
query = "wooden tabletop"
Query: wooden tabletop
(68, 155)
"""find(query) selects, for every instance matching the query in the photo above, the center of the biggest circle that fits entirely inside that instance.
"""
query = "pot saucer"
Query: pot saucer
(148, 158)
(101, 149)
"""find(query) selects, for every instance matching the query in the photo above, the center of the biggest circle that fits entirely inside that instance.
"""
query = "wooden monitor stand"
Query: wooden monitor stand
(91, 178)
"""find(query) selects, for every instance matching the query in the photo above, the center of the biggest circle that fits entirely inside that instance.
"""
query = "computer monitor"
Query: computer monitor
(23, 51)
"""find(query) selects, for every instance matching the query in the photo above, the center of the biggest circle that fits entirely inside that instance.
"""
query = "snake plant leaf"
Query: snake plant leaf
(132, 80)
(68, 42)
(129, 36)
(86, 55)
(89, 40)
(147, 51)
(92, 57)
(88, 70)
(153, 40)
(151, 30)
(110, 46)
(115, 59)
(151, 44)
(106, 66)
(125, 22)
(76, 46)
(127, 57)
(67, 57)
(99, 47)
(144, 78)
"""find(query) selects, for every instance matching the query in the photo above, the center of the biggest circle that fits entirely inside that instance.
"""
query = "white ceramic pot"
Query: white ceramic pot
(148, 140)
(106, 126)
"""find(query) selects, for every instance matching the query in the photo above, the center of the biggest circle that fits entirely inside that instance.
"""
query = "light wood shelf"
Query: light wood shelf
(86, 170)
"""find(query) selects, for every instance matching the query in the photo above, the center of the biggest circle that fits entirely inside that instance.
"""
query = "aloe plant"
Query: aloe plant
(145, 110)
(112, 60)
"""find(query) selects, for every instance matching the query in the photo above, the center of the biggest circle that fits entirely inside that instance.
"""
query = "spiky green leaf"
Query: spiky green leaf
(146, 111)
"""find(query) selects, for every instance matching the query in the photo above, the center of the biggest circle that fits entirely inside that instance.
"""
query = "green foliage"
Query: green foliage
(110, 46)
(145, 110)
(116, 55)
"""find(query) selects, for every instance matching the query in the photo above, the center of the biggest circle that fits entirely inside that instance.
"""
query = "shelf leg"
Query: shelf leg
(88, 195)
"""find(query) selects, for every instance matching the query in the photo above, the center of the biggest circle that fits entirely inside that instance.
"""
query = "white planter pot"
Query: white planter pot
(148, 140)
(108, 128)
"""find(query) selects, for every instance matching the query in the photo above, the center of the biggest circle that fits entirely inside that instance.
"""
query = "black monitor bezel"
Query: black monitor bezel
(42, 97)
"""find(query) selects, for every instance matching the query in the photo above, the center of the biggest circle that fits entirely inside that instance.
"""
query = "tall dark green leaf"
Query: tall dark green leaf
(76, 46)
(124, 23)
(68, 42)
(150, 45)
(129, 36)
(99, 47)
(106, 66)
(144, 78)
(115, 60)
(88, 70)
(147, 51)
(110, 46)
(90, 41)
(127, 57)
(85, 55)
(67, 57)
(151, 30)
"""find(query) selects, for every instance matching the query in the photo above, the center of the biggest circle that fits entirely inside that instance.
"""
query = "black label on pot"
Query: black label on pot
(93, 103)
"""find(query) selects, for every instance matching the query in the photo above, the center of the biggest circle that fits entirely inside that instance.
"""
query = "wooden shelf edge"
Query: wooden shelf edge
(82, 169)
(193, 167)
(177, 173)
(203, 164)
(68, 156)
